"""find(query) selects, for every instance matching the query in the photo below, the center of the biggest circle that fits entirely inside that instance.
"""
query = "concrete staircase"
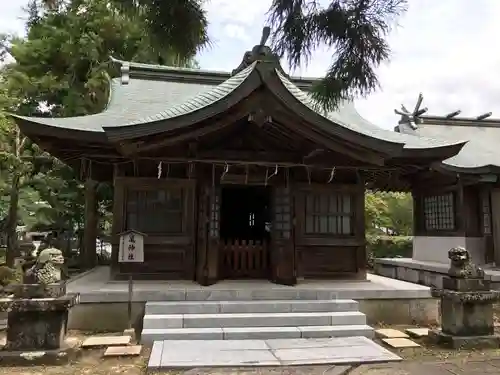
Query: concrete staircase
(263, 319)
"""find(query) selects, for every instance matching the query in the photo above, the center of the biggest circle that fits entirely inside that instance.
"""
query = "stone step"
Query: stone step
(267, 306)
(163, 321)
(255, 333)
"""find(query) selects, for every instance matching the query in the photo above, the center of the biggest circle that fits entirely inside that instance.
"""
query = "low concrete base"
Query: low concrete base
(103, 303)
(424, 273)
(67, 353)
(464, 342)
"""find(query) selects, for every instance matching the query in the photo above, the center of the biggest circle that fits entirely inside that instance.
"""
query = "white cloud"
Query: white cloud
(445, 49)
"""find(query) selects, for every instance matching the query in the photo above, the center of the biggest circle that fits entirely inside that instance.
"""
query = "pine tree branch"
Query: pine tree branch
(354, 30)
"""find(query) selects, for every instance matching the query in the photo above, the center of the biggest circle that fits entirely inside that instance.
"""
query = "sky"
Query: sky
(444, 49)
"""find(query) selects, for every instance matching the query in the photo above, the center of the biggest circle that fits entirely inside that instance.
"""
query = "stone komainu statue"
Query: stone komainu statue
(47, 269)
(461, 265)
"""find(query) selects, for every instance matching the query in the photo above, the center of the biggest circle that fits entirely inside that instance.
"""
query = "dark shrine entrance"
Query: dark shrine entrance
(245, 219)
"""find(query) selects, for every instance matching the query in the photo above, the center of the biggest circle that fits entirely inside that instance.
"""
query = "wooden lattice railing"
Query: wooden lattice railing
(242, 258)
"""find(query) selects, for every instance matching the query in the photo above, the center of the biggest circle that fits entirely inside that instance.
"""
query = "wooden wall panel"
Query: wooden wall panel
(328, 261)
(165, 256)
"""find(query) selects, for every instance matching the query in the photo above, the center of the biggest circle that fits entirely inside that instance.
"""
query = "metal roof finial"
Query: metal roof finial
(266, 31)
(484, 116)
(453, 114)
(412, 118)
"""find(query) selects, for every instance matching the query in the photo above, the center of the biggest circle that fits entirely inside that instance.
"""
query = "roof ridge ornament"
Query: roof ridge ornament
(412, 118)
(260, 52)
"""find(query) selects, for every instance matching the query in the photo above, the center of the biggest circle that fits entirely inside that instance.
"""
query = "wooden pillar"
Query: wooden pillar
(360, 227)
(89, 254)
(118, 224)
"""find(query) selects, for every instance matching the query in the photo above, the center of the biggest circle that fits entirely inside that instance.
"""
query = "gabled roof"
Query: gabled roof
(480, 154)
(152, 99)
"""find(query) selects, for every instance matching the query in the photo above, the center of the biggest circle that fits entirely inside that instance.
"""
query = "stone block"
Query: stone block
(261, 333)
(466, 319)
(67, 352)
(123, 351)
(309, 332)
(154, 362)
(55, 290)
(101, 341)
(465, 342)
(466, 285)
(390, 333)
(36, 330)
(182, 307)
(399, 343)
(129, 332)
(151, 335)
(259, 320)
(417, 332)
(159, 321)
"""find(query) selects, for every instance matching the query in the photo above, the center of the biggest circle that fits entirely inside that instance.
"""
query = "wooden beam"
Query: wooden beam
(250, 155)
(243, 110)
(353, 151)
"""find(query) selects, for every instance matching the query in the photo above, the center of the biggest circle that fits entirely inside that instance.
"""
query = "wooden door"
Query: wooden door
(282, 238)
(208, 235)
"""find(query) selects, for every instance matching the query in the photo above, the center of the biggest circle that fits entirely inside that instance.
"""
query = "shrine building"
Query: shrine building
(238, 175)
(456, 201)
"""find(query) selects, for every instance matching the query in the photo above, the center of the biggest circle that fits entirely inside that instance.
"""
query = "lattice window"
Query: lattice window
(486, 209)
(282, 213)
(439, 212)
(329, 213)
(155, 211)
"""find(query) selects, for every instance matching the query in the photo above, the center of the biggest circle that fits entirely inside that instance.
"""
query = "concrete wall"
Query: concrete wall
(435, 249)
(112, 317)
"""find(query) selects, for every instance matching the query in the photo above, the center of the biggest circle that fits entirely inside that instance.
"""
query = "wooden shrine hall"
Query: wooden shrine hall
(233, 175)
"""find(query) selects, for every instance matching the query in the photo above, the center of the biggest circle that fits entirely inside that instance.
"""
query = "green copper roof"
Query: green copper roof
(203, 99)
(348, 117)
(481, 151)
(142, 101)
(152, 95)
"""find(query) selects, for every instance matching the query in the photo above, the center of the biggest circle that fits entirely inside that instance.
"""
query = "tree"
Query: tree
(388, 213)
(355, 30)
(15, 151)
(61, 68)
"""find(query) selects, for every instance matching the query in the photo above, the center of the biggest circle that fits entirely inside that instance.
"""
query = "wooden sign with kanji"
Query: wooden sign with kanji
(131, 247)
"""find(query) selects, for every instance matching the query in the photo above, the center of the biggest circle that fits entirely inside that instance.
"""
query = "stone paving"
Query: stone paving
(454, 367)
(285, 352)
(457, 367)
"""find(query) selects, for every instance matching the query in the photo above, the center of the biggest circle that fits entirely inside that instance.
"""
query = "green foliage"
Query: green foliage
(178, 25)
(62, 68)
(355, 32)
(388, 247)
(7, 276)
(388, 213)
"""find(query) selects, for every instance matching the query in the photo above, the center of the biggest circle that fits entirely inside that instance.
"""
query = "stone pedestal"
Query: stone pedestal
(36, 325)
(466, 313)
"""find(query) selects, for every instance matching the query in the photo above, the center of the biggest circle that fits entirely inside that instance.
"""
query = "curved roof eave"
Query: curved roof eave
(434, 152)
(358, 131)
(479, 170)
(198, 108)
(35, 126)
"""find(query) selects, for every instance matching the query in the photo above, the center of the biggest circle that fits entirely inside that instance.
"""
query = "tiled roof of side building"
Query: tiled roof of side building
(481, 153)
